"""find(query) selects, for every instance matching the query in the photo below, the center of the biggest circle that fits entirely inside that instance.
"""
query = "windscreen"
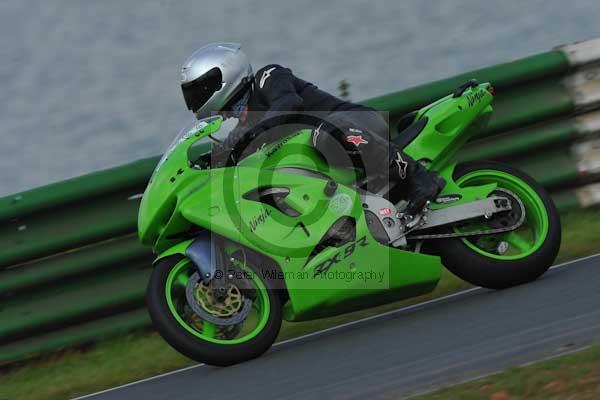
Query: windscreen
(194, 126)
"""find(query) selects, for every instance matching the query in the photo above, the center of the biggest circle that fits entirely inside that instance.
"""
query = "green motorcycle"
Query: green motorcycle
(282, 235)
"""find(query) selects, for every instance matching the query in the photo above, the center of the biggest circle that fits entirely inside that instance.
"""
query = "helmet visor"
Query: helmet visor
(197, 92)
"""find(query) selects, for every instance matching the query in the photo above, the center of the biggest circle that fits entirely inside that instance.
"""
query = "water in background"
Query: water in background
(89, 85)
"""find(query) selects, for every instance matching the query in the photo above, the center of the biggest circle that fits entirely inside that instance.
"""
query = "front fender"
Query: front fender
(200, 251)
(178, 249)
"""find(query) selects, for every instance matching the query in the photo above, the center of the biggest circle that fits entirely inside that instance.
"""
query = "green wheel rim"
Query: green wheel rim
(525, 240)
(178, 278)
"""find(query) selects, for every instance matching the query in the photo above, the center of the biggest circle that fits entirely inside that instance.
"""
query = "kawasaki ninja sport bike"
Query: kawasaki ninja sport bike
(284, 236)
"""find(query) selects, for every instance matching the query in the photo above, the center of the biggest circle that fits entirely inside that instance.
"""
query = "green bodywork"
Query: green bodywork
(181, 197)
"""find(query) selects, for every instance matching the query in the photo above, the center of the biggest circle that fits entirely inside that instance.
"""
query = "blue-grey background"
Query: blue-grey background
(89, 85)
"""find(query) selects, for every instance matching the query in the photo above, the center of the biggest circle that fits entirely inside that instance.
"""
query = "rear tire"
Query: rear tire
(496, 272)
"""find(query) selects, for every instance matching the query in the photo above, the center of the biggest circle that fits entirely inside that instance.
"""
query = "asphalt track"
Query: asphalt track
(407, 351)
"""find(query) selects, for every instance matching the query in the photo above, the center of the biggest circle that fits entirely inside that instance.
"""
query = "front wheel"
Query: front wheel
(510, 258)
(221, 332)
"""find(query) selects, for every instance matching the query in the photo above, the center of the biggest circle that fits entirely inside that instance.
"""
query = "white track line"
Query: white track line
(334, 328)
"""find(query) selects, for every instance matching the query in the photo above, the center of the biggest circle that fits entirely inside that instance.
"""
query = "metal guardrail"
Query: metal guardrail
(72, 271)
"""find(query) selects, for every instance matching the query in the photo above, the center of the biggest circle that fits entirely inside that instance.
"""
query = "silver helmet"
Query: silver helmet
(215, 76)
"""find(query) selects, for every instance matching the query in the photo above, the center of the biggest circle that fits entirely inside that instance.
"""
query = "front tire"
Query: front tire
(201, 340)
(531, 249)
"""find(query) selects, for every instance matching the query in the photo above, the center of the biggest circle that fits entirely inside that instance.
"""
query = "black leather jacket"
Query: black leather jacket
(276, 93)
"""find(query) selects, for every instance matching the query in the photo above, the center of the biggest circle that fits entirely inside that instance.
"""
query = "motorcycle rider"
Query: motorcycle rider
(219, 78)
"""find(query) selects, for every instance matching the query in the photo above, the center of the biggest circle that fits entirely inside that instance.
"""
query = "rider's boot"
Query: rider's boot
(422, 185)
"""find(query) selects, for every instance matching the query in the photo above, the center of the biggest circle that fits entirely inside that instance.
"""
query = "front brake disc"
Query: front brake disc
(207, 315)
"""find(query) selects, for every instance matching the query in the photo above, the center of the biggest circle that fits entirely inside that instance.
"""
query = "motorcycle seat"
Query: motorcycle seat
(408, 129)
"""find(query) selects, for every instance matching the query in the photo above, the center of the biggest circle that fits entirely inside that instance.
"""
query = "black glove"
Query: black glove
(239, 138)
(228, 152)
(222, 156)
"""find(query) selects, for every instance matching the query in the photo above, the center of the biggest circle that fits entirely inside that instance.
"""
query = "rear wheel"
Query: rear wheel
(222, 332)
(510, 258)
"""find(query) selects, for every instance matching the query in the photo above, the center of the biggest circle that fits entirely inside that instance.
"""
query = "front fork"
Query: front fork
(208, 257)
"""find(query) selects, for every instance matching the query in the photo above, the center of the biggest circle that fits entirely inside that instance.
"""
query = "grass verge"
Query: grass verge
(124, 359)
(575, 377)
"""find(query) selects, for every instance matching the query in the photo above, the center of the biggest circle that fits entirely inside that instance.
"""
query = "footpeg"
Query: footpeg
(409, 221)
